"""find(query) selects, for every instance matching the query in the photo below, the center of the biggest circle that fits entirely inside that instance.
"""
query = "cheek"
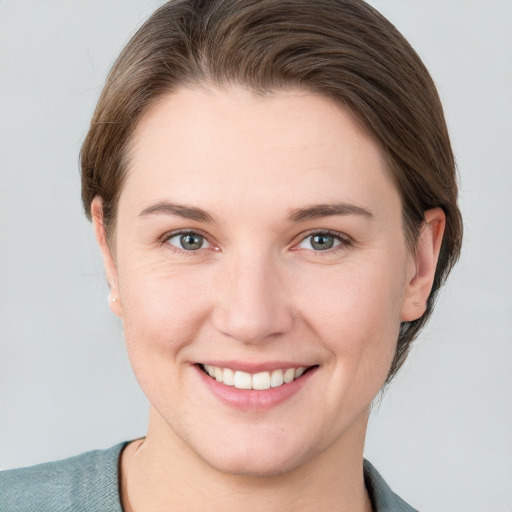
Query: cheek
(352, 297)
(162, 312)
(355, 311)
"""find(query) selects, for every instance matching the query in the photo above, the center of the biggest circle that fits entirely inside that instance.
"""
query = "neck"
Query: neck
(161, 472)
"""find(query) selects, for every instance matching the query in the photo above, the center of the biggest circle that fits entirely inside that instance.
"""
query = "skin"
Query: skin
(259, 291)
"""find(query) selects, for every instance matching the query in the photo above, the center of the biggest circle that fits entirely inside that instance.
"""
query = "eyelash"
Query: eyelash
(344, 240)
(165, 239)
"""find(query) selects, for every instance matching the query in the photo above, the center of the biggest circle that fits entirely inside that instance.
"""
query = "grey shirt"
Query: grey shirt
(90, 482)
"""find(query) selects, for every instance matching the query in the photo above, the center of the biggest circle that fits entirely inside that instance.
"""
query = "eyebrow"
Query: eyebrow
(297, 215)
(326, 210)
(179, 210)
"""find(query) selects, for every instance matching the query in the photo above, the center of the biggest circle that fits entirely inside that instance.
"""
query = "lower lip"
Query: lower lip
(251, 399)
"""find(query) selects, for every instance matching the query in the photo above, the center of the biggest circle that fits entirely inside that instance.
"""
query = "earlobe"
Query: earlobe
(109, 262)
(428, 246)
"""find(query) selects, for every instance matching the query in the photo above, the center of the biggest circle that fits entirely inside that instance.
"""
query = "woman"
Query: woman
(273, 192)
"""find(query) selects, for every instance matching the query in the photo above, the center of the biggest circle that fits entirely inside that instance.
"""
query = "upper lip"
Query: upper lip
(255, 367)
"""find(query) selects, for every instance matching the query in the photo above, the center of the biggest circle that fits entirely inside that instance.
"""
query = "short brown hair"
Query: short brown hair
(341, 49)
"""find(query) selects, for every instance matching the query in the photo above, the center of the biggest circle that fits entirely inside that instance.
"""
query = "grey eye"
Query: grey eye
(320, 242)
(188, 241)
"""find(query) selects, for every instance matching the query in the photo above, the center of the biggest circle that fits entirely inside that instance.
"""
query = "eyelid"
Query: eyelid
(344, 240)
(170, 234)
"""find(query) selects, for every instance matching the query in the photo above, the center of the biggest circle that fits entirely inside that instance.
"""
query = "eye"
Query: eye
(189, 241)
(322, 241)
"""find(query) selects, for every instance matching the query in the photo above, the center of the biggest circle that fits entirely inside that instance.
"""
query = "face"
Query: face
(259, 240)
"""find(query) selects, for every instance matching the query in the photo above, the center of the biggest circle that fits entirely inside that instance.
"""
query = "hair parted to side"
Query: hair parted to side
(341, 49)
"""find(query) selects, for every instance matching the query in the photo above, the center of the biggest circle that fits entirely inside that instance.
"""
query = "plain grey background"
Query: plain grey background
(442, 435)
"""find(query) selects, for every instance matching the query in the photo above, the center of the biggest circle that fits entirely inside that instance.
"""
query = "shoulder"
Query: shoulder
(383, 498)
(85, 482)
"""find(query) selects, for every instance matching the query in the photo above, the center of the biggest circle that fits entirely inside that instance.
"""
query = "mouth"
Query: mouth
(259, 381)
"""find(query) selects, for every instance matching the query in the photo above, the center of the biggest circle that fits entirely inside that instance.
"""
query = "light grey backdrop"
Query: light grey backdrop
(443, 434)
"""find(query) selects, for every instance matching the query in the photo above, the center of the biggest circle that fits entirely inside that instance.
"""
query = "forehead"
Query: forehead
(230, 144)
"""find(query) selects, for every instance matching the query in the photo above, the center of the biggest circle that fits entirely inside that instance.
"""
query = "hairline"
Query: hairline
(206, 84)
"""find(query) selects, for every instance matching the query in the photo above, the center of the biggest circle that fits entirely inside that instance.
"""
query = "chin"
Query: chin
(253, 463)
(251, 450)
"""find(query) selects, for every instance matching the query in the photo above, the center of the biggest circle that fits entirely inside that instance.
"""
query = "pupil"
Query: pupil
(191, 241)
(322, 242)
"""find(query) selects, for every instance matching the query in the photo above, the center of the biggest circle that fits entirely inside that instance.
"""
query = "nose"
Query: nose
(252, 304)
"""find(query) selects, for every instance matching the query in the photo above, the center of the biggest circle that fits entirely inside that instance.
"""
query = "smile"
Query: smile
(258, 381)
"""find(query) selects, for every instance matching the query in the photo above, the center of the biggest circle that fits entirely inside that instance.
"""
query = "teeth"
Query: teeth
(261, 380)
(289, 375)
(243, 380)
(299, 371)
(257, 381)
(277, 378)
(228, 377)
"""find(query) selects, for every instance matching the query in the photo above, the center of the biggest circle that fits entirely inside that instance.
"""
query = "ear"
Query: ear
(421, 278)
(114, 299)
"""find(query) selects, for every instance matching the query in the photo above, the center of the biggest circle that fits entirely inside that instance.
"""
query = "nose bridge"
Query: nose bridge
(252, 303)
